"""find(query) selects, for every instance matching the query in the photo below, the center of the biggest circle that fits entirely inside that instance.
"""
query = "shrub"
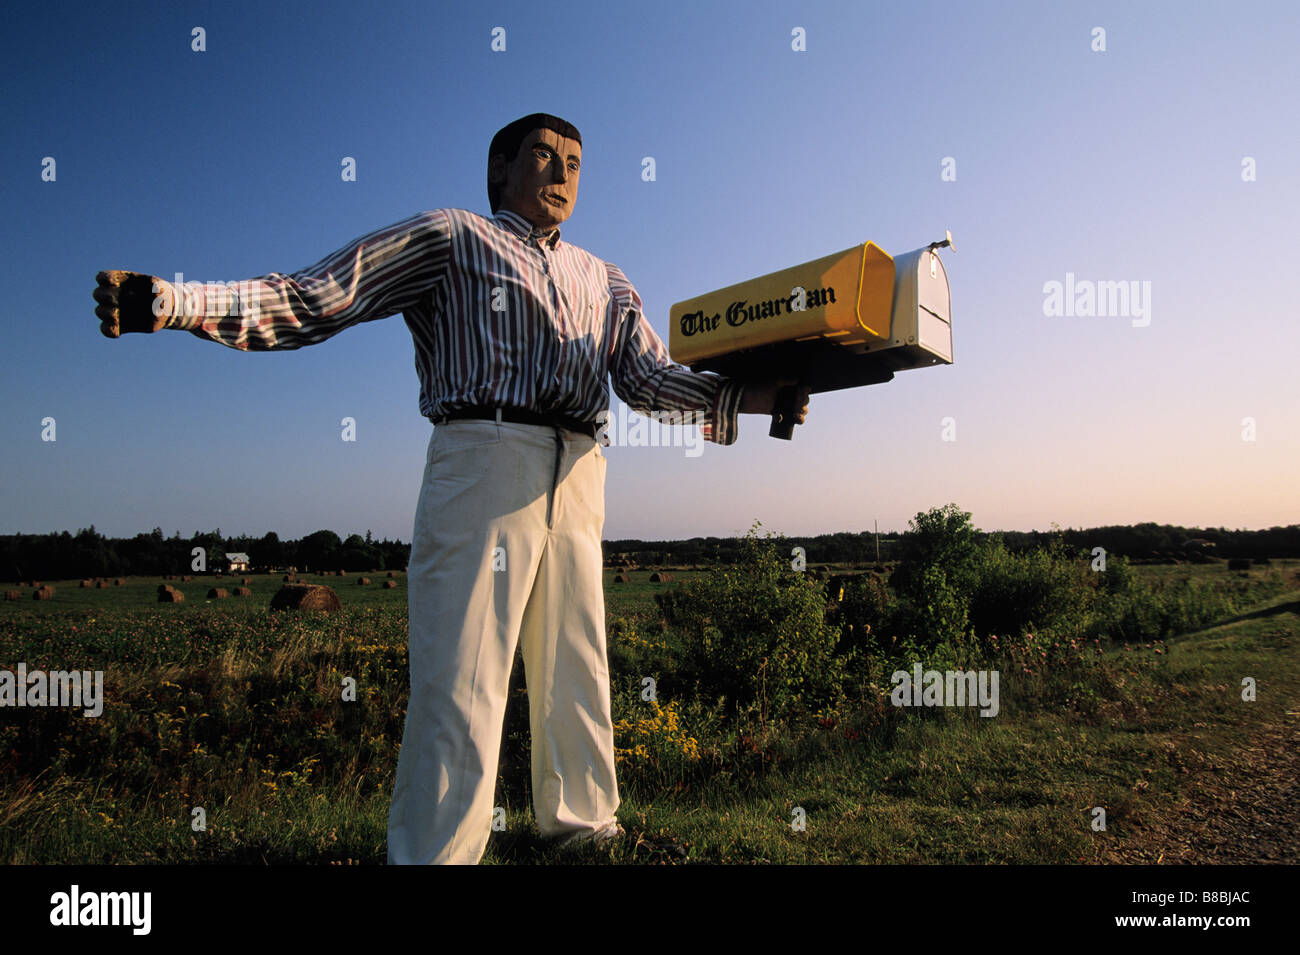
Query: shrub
(936, 572)
(1046, 588)
(936, 616)
(756, 634)
(1142, 614)
(941, 538)
(859, 606)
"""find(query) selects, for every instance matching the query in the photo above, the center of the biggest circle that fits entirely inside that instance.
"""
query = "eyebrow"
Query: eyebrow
(543, 145)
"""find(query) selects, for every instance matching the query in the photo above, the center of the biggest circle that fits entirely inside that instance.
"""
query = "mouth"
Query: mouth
(554, 199)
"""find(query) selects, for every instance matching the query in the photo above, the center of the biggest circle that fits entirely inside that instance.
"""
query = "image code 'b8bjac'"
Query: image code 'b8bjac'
(846, 320)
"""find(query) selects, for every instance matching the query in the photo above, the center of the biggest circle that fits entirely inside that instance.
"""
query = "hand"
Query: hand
(126, 303)
(761, 399)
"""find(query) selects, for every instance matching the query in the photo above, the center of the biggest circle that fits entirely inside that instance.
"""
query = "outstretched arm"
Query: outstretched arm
(372, 277)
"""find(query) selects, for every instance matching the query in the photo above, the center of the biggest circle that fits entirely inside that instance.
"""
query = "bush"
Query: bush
(1042, 589)
(1142, 614)
(756, 635)
(941, 538)
(859, 606)
(935, 575)
(636, 653)
(937, 616)
(1119, 576)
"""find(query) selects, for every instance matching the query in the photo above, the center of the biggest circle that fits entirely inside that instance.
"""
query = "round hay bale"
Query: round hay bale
(170, 595)
(306, 597)
(391, 575)
(661, 577)
(170, 577)
(362, 581)
(390, 584)
(119, 581)
(620, 579)
(186, 578)
(342, 573)
(35, 584)
(13, 595)
(163, 588)
(101, 584)
(84, 584)
(217, 593)
(245, 581)
(43, 593)
(243, 591)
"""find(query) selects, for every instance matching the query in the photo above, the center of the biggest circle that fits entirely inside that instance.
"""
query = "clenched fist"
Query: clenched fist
(126, 303)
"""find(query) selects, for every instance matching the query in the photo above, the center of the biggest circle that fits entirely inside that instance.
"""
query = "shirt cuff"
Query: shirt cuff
(188, 306)
(169, 301)
(726, 412)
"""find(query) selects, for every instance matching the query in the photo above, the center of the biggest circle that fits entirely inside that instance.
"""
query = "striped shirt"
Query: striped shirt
(502, 314)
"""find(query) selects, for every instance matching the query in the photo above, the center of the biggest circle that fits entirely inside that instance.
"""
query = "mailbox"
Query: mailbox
(846, 320)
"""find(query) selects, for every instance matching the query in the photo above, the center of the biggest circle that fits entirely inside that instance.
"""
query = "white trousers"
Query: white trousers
(506, 548)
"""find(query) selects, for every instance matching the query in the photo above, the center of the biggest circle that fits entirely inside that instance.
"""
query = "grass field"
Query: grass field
(220, 705)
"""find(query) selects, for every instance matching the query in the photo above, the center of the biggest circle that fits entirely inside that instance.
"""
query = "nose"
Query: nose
(560, 172)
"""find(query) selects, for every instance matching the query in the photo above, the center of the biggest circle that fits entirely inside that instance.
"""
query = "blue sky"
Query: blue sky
(1117, 165)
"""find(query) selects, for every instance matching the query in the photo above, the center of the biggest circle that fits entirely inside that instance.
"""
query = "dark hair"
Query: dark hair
(509, 138)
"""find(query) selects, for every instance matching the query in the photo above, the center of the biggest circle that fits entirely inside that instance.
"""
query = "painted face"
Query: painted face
(541, 184)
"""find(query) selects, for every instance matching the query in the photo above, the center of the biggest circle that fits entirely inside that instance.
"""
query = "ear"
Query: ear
(497, 168)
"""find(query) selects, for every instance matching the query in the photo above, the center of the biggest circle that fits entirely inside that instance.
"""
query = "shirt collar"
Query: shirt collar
(526, 230)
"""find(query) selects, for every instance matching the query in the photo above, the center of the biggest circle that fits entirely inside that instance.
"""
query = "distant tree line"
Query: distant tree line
(1149, 542)
(88, 553)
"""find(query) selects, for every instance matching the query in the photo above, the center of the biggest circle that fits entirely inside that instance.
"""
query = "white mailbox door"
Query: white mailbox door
(933, 306)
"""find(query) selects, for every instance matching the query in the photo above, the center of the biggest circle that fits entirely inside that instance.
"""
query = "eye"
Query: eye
(573, 166)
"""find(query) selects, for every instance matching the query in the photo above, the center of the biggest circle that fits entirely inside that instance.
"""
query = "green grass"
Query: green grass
(222, 705)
